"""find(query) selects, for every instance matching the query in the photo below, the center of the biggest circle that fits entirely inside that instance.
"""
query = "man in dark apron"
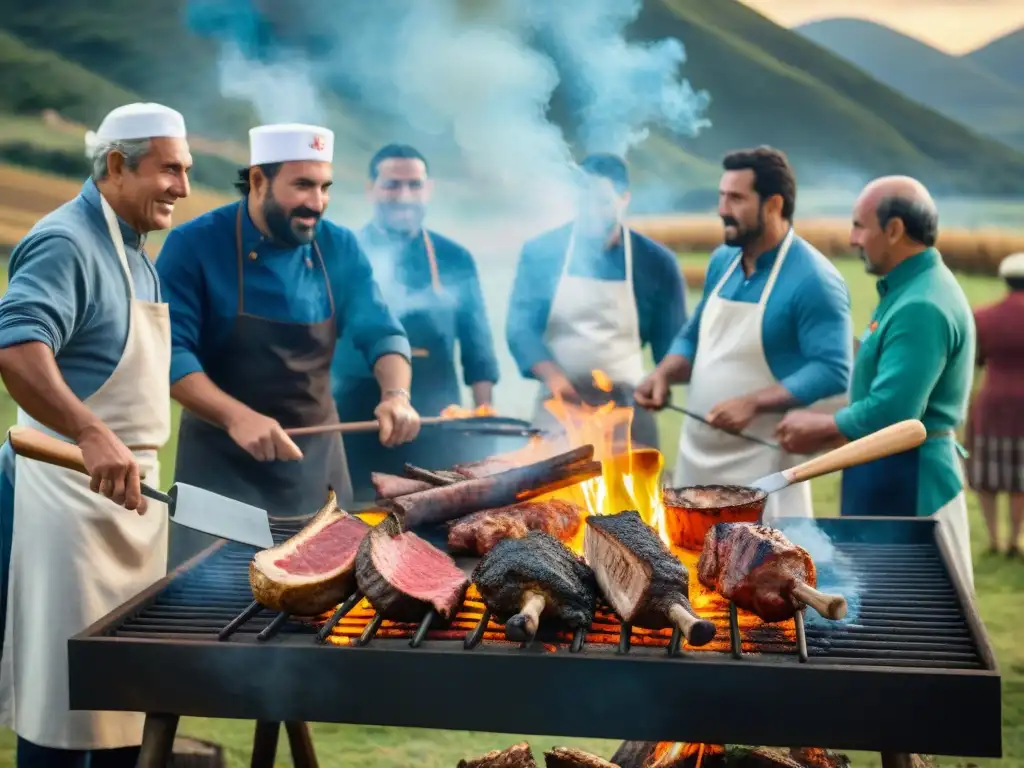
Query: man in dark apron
(431, 284)
(259, 292)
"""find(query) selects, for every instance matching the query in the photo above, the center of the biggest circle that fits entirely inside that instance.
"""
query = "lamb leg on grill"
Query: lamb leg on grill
(761, 571)
(644, 582)
(403, 576)
(523, 579)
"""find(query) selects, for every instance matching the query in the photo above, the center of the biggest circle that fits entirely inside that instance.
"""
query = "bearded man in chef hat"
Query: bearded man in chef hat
(85, 350)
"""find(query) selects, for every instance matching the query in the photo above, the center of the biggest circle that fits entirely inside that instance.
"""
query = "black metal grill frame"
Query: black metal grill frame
(894, 704)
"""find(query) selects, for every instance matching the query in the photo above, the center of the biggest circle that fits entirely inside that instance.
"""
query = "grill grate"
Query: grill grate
(905, 614)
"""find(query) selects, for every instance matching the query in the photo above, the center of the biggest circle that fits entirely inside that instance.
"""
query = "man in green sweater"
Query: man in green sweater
(915, 361)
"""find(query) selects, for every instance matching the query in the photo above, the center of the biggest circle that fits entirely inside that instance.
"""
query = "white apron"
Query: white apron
(594, 324)
(76, 555)
(953, 524)
(730, 362)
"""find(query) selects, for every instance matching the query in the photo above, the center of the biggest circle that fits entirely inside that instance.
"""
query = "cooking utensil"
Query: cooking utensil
(690, 512)
(187, 505)
(471, 425)
(701, 419)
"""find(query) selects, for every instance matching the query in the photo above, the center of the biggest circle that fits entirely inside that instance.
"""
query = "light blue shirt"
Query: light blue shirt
(807, 331)
(67, 290)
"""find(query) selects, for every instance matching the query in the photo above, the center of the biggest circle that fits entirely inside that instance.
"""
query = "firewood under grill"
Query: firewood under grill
(523, 579)
(761, 571)
(642, 580)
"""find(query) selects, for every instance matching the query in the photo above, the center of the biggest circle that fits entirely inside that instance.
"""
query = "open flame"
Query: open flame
(458, 412)
(668, 753)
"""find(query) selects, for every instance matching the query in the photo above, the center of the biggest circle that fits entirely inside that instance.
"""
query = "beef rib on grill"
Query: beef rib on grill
(524, 579)
(404, 576)
(517, 756)
(761, 571)
(570, 757)
(641, 579)
(479, 532)
(314, 570)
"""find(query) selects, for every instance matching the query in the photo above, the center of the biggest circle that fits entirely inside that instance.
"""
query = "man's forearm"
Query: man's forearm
(483, 393)
(774, 399)
(392, 372)
(201, 396)
(546, 369)
(677, 369)
(35, 382)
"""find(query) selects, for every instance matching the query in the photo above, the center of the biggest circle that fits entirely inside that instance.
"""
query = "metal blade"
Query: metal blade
(771, 483)
(217, 515)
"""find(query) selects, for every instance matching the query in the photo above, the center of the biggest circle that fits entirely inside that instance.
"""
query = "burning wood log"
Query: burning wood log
(390, 486)
(567, 757)
(433, 479)
(517, 756)
(649, 754)
(439, 505)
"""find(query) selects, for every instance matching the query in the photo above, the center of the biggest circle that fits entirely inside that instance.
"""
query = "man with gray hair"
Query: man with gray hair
(915, 361)
(85, 351)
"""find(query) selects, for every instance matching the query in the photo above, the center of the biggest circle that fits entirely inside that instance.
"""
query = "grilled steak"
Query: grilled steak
(568, 757)
(523, 579)
(517, 756)
(479, 532)
(759, 569)
(404, 576)
(642, 580)
(314, 570)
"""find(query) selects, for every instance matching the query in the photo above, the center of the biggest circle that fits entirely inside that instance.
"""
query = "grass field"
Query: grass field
(1000, 589)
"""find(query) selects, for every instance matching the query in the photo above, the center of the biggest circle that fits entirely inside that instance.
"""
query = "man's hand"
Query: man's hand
(262, 437)
(807, 432)
(733, 415)
(653, 392)
(399, 421)
(113, 470)
(561, 388)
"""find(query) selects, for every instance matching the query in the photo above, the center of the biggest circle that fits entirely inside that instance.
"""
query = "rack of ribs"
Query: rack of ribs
(761, 571)
(526, 578)
(642, 580)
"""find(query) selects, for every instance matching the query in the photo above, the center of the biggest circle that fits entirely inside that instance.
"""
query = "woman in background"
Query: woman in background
(995, 430)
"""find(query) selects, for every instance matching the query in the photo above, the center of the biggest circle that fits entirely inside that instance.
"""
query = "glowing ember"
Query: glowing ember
(670, 753)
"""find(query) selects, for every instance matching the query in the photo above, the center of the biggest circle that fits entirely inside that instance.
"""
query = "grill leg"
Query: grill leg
(264, 744)
(301, 743)
(897, 760)
(157, 740)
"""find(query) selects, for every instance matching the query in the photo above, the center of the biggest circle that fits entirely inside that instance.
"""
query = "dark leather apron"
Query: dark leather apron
(435, 386)
(281, 370)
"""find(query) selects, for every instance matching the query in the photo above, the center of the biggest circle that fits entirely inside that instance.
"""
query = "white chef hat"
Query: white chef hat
(137, 121)
(1012, 266)
(288, 142)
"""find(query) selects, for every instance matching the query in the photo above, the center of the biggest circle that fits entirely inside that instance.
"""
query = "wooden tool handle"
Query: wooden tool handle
(353, 427)
(830, 606)
(33, 444)
(697, 631)
(896, 438)
(523, 626)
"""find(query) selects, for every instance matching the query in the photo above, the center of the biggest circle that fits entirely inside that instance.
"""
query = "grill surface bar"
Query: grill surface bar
(914, 642)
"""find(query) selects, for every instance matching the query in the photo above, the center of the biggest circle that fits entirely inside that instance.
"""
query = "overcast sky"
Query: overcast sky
(956, 26)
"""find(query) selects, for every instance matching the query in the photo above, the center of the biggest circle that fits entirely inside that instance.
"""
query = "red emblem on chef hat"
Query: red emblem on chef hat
(318, 143)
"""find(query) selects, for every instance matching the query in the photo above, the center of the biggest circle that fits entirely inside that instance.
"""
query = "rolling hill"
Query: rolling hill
(767, 85)
(962, 88)
(1003, 57)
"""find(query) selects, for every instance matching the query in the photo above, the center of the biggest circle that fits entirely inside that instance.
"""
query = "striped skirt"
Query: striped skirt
(996, 463)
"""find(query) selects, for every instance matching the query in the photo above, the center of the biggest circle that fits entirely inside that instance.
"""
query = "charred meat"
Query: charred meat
(314, 570)
(517, 756)
(404, 576)
(569, 757)
(642, 580)
(479, 532)
(761, 571)
(524, 579)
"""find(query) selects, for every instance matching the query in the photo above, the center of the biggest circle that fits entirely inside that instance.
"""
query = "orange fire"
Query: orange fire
(668, 753)
(458, 412)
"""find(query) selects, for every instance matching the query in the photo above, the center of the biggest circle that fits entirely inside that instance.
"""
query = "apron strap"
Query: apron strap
(115, 236)
(777, 267)
(435, 274)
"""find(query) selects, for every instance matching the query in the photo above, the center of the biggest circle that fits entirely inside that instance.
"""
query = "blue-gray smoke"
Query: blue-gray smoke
(836, 574)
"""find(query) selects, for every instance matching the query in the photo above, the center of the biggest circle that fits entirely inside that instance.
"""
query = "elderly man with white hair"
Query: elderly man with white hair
(996, 428)
(85, 352)
(260, 291)
(915, 361)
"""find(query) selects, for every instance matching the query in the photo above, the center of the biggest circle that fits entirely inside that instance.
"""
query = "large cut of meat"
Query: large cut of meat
(314, 570)
(517, 756)
(524, 579)
(404, 576)
(761, 571)
(479, 532)
(569, 757)
(641, 579)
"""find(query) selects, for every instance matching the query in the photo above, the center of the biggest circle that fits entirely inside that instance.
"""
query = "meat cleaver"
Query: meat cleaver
(187, 505)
